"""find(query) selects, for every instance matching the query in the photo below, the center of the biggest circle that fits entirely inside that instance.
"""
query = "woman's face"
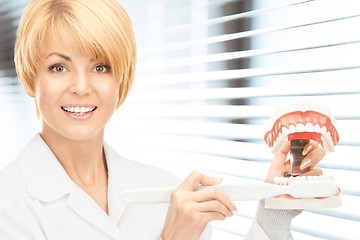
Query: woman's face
(76, 95)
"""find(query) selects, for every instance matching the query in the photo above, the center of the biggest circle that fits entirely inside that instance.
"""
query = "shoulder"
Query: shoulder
(150, 171)
(143, 174)
(17, 218)
(15, 200)
(11, 178)
(13, 189)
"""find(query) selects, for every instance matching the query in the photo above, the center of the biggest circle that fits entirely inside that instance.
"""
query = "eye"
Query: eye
(57, 68)
(102, 68)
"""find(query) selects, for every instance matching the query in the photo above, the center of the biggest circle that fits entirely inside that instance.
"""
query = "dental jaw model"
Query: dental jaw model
(299, 123)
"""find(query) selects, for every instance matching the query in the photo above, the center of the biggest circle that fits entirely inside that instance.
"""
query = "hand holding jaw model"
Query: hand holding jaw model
(299, 129)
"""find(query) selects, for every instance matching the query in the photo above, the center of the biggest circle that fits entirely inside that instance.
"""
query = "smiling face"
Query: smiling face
(75, 95)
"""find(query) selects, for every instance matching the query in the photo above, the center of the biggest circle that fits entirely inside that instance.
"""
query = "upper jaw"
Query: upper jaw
(300, 107)
(302, 119)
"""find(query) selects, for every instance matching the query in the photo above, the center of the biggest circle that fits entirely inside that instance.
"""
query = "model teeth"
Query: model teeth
(292, 129)
(288, 180)
(300, 127)
(309, 127)
(302, 123)
(79, 110)
(278, 140)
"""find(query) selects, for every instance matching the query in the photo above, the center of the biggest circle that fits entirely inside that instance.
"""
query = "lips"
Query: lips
(305, 124)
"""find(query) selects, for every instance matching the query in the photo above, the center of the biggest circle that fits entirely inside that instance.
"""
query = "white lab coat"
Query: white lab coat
(39, 201)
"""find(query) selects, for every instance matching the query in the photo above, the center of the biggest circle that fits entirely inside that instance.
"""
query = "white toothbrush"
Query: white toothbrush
(298, 187)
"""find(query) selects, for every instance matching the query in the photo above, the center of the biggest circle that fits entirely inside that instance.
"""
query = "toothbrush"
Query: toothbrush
(298, 187)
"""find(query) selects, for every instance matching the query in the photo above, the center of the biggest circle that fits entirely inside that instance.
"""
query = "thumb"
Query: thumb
(280, 157)
(195, 178)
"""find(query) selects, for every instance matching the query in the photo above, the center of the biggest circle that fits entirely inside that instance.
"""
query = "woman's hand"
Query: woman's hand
(190, 211)
(280, 167)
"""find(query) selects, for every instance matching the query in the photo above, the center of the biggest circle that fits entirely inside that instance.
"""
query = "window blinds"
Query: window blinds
(210, 73)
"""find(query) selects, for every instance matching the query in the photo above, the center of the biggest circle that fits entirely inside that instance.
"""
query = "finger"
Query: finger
(313, 158)
(211, 216)
(214, 206)
(280, 157)
(309, 147)
(195, 178)
(313, 172)
(208, 194)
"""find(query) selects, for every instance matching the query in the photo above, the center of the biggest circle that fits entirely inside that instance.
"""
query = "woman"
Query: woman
(77, 59)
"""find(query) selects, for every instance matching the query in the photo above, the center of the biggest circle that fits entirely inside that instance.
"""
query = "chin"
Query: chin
(83, 134)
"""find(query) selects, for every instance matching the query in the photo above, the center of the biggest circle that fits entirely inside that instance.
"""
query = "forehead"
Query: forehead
(70, 45)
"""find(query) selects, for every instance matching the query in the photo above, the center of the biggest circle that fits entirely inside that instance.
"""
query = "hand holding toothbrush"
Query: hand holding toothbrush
(190, 211)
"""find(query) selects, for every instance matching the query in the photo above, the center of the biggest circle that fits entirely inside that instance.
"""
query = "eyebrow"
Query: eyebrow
(67, 58)
(60, 55)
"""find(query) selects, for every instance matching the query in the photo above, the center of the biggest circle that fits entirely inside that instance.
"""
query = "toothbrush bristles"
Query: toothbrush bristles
(289, 180)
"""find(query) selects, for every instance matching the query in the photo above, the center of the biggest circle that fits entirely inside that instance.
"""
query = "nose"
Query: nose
(81, 84)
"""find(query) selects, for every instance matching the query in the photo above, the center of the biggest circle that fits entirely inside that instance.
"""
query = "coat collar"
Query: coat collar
(46, 178)
(119, 178)
(47, 181)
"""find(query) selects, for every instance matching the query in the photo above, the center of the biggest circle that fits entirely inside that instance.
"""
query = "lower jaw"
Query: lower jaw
(79, 117)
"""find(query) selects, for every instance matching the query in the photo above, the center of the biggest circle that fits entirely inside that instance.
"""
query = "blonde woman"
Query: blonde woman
(77, 59)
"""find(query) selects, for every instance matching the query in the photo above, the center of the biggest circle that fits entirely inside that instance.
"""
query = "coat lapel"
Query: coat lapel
(48, 182)
(117, 181)
(90, 211)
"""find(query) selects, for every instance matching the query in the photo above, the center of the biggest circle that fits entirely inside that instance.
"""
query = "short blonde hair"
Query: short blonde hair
(100, 29)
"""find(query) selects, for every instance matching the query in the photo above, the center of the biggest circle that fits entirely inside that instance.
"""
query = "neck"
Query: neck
(83, 160)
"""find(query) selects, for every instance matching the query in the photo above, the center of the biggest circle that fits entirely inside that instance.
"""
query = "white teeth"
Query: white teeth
(289, 180)
(278, 141)
(280, 136)
(292, 129)
(309, 127)
(300, 127)
(285, 131)
(79, 110)
(323, 130)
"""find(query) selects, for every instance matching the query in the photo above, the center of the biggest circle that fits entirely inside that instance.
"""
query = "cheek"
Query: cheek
(46, 93)
(109, 93)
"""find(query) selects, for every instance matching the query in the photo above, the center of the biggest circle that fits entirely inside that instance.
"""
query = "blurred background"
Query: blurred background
(210, 73)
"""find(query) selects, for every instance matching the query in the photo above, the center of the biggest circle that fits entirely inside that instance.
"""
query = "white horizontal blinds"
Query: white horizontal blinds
(330, 69)
(211, 73)
(10, 12)
(7, 37)
(15, 105)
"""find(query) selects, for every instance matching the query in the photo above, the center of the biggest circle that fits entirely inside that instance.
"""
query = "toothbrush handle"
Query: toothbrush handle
(236, 192)
(248, 191)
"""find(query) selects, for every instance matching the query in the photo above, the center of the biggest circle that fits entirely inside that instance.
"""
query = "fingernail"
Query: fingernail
(305, 163)
(306, 150)
(234, 207)
(219, 179)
